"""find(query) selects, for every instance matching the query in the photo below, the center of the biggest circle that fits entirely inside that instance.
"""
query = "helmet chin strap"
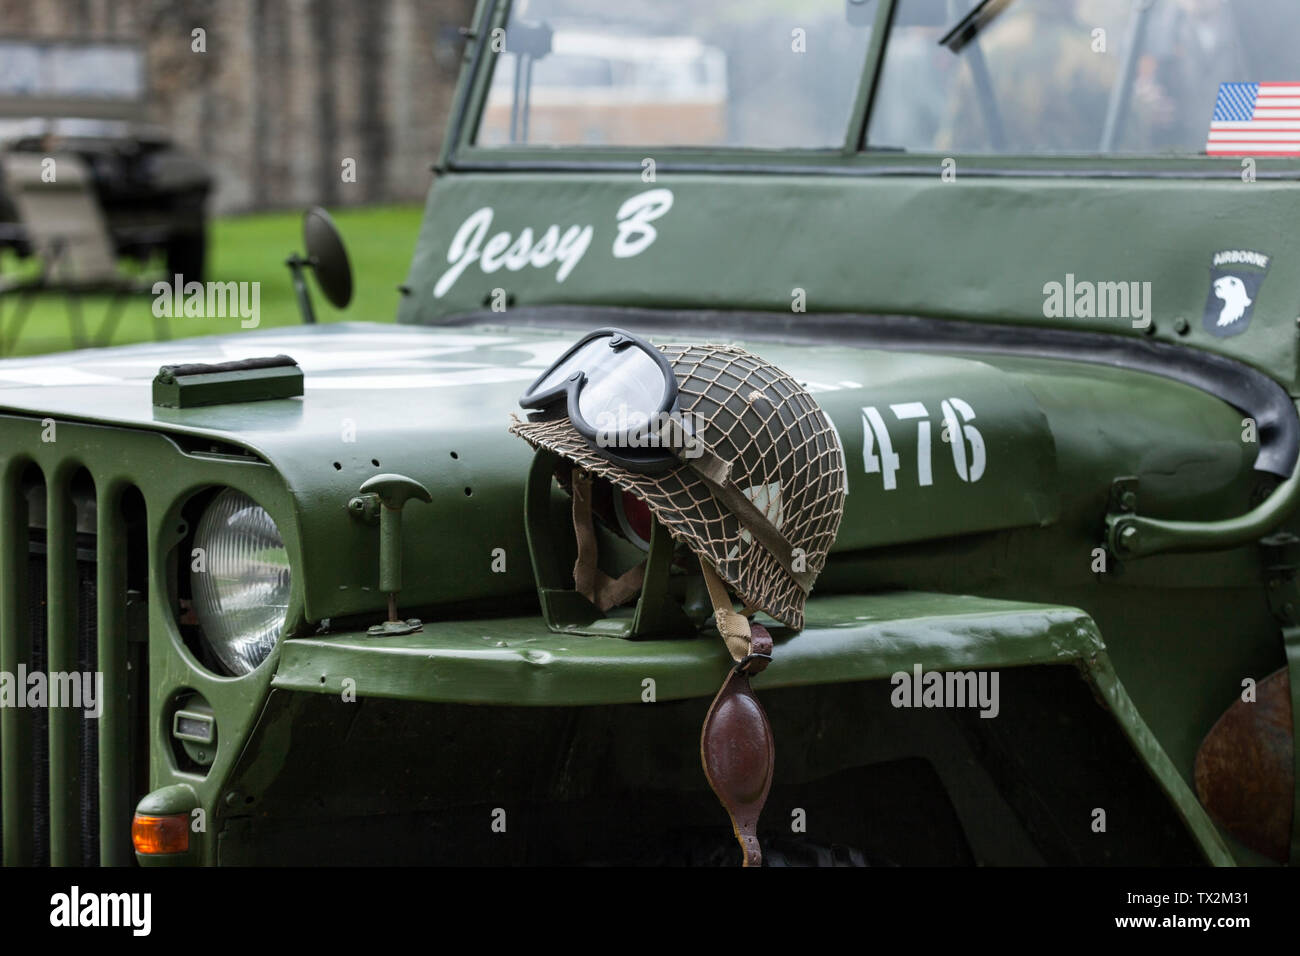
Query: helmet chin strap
(588, 580)
(736, 744)
(735, 627)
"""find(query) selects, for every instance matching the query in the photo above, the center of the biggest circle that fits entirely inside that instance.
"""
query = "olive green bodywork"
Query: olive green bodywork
(344, 746)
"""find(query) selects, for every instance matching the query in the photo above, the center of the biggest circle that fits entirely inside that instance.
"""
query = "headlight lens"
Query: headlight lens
(242, 597)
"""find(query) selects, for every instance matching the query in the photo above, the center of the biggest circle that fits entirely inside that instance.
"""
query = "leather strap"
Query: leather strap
(736, 744)
(738, 753)
(588, 580)
(737, 749)
(737, 632)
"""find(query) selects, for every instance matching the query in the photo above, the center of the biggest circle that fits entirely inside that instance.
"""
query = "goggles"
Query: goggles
(620, 393)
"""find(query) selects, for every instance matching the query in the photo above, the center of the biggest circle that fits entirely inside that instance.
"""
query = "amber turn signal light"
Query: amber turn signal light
(167, 834)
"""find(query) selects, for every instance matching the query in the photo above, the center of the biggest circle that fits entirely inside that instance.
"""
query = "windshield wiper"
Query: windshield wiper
(969, 26)
(956, 40)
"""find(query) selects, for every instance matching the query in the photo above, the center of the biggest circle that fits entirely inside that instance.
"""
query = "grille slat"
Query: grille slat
(64, 722)
(16, 757)
(114, 796)
(38, 660)
(87, 728)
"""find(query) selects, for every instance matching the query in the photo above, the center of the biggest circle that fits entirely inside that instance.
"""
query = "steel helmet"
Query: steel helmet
(728, 451)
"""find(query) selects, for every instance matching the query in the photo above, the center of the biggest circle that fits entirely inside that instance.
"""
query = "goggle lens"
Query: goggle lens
(586, 356)
(624, 388)
(615, 387)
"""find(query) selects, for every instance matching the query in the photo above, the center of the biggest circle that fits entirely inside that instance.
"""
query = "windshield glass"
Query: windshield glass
(770, 74)
(1093, 76)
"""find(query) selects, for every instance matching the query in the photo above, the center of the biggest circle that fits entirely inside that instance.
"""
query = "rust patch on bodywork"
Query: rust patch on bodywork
(1244, 770)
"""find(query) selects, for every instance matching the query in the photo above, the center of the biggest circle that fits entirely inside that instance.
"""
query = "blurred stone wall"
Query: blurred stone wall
(287, 89)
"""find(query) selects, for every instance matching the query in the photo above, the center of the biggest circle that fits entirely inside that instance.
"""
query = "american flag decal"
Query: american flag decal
(1256, 119)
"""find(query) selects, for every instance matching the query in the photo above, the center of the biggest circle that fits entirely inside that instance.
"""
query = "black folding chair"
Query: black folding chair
(62, 223)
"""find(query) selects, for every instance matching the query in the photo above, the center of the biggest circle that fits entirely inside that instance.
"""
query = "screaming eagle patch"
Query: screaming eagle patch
(1235, 279)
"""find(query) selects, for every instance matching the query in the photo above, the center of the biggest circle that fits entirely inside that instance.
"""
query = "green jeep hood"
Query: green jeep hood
(434, 404)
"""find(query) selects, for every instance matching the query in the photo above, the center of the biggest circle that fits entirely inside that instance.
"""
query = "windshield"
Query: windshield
(1218, 77)
(768, 74)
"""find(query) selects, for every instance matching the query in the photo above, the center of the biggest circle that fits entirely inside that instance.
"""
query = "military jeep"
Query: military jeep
(1036, 260)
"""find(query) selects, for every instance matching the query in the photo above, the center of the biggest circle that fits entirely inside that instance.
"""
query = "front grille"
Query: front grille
(62, 541)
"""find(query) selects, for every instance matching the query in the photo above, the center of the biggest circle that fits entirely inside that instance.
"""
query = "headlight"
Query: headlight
(241, 598)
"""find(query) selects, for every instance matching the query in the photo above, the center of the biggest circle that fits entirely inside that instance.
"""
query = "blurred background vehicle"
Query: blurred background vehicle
(87, 98)
(277, 105)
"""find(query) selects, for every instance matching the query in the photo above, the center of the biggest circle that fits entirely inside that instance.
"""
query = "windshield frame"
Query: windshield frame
(854, 157)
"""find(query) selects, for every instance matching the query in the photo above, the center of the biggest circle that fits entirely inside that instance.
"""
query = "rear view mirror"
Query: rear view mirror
(327, 258)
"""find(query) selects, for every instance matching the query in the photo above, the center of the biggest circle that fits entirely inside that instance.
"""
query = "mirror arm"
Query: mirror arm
(295, 264)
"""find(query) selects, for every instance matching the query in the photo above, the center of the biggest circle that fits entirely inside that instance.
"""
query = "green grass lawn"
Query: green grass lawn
(379, 239)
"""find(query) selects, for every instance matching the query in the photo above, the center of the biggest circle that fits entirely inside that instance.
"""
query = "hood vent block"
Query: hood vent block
(227, 383)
